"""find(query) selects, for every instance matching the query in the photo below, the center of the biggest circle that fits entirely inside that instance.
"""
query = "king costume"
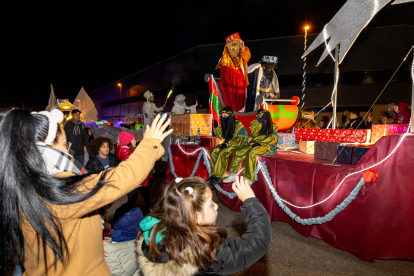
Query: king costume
(264, 142)
(149, 108)
(233, 72)
(234, 135)
(263, 81)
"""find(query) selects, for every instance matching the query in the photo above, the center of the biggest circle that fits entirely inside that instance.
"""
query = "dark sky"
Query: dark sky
(71, 46)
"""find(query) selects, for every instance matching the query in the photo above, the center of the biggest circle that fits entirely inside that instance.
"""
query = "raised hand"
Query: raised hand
(242, 188)
(157, 128)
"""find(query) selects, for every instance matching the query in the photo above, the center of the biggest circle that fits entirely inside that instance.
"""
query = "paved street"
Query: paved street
(291, 253)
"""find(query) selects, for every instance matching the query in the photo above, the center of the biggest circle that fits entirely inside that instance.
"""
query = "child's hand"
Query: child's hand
(242, 188)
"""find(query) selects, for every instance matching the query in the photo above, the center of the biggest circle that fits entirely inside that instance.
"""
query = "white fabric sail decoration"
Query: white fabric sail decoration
(52, 99)
(85, 104)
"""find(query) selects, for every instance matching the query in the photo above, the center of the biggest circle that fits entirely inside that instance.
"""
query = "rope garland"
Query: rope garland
(280, 202)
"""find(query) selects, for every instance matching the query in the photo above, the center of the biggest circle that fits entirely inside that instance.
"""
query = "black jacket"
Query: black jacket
(357, 123)
(233, 255)
(95, 166)
(78, 141)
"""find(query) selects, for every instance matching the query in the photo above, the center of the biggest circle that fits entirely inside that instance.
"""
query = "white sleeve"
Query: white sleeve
(193, 109)
(158, 109)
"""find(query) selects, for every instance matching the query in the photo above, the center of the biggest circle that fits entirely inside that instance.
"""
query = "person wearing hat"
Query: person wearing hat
(149, 108)
(180, 106)
(127, 147)
(233, 72)
(263, 81)
(76, 134)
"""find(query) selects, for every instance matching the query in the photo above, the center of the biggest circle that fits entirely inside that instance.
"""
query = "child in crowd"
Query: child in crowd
(179, 238)
(90, 135)
(127, 147)
(101, 159)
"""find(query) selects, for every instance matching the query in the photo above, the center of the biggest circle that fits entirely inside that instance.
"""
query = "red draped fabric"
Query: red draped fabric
(378, 224)
(233, 87)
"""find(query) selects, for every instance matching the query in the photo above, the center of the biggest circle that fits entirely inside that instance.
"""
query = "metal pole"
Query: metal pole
(412, 95)
(336, 87)
(120, 89)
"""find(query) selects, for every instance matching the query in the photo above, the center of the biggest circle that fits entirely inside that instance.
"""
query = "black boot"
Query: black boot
(217, 181)
(211, 179)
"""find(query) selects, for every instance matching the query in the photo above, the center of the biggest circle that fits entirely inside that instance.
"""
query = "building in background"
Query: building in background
(369, 65)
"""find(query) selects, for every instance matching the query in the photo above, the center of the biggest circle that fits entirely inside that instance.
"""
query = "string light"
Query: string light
(304, 68)
(336, 189)
(192, 153)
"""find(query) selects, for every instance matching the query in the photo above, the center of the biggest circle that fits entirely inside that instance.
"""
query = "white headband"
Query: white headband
(190, 190)
(55, 117)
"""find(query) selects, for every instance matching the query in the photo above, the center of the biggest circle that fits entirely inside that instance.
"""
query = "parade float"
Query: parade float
(327, 195)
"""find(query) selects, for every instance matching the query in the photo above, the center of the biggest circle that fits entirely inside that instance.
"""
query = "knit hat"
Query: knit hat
(125, 137)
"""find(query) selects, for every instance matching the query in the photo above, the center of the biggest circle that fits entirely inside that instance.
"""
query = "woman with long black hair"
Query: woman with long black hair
(49, 223)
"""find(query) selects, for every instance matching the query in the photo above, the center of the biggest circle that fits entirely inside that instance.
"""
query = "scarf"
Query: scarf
(78, 124)
(267, 126)
(57, 161)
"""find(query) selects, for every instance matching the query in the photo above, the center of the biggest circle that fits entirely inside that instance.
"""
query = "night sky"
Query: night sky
(71, 46)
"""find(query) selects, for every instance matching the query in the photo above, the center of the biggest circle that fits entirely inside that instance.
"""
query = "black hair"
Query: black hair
(28, 191)
(268, 69)
(356, 112)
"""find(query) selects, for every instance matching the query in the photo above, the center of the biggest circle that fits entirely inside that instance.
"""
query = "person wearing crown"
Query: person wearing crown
(264, 142)
(233, 72)
(149, 108)
(263, 81)
(234, 135)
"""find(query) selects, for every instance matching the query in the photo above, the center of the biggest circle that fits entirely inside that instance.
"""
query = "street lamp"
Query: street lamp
(120, 90)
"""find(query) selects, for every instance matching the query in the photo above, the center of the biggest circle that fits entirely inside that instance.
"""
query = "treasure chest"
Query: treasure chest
(192, 125)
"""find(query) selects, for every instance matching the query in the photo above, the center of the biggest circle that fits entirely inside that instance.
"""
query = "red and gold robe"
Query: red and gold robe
(233, 74)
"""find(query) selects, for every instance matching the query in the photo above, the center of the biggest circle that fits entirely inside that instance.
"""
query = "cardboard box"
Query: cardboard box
(188, 124)
(288, 139)
(307, 147)
(378, 131)
(326, 150)
(350, 154)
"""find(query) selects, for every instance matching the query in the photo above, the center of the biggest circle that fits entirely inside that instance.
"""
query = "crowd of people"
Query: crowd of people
(397, 113)
(55, 220)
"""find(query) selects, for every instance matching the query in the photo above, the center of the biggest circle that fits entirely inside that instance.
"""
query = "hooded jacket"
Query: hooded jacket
(123, 153)
(404, 111)
(233, 255)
